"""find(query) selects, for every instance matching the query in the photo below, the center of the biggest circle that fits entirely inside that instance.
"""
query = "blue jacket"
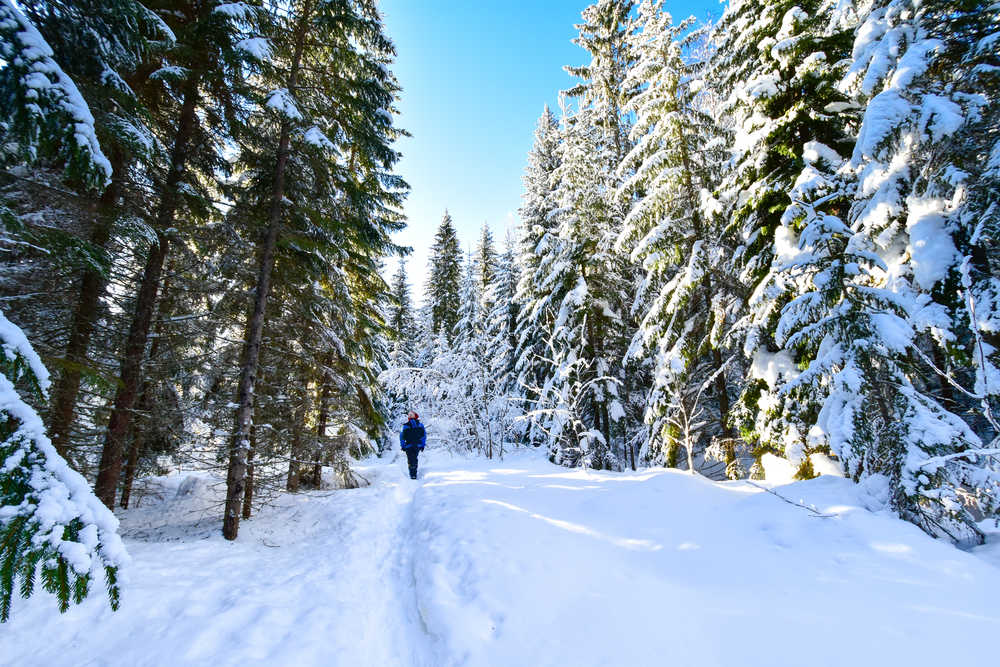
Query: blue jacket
(410, 424)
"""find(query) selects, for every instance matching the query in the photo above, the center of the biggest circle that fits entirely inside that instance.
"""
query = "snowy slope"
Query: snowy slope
(525, 563)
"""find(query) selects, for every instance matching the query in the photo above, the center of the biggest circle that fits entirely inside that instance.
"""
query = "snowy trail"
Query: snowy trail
(524, 563)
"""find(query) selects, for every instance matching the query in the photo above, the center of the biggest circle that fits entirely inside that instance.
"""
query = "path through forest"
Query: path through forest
(524, 563)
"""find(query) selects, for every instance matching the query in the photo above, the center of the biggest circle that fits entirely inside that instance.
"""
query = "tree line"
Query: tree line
(766, 241)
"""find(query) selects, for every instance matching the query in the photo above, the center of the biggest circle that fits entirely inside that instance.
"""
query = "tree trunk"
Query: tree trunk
(135, 346)
(608, 441)
(138, 440)
(236, 474)
(110, 468)
(130, 465)
(723, 394)
(944, 387)
(295, 455)
(248, 491)
(92, 285)
(321, 422)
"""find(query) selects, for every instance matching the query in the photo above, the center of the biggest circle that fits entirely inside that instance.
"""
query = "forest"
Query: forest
(768, 241)
(757, 246)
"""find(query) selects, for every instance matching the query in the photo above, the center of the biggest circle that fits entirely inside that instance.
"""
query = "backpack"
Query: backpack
(412, 435)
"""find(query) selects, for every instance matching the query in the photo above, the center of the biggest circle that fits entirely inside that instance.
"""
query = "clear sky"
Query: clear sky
(475, 77)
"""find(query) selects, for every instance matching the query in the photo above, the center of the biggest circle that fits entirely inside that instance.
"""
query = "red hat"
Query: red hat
(414, 413)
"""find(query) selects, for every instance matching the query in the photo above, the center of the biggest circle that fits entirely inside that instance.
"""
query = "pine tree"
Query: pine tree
(104, 48)
(975, 149)
(536, 249)
(579, 398)
(603, 127)
(48, 117)
(485, 266)
(929, 85)
(501, 342)
(424, 341)
(468, 330)
(604, 35)
(52, 526)
(401, 318)
(501, 322)
(915, 289)
(210, 48)
(319, 171)
(873, 417)
(778, 65)
(671, 228)
(445, 275)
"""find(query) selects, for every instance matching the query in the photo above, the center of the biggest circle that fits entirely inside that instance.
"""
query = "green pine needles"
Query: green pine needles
(52, 527)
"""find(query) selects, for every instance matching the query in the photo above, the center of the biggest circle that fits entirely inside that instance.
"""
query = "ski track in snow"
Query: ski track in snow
(524, 563)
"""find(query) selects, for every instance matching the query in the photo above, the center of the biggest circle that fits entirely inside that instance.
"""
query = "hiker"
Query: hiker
(412, 439)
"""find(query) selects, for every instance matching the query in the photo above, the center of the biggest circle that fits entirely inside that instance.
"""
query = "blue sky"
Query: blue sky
(475, 77)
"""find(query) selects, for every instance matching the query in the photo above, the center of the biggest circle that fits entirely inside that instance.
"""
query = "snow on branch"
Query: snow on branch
(48, 113)
(51, 523)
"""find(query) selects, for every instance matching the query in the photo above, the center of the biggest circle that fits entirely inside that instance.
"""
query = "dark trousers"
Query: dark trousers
(411, 458)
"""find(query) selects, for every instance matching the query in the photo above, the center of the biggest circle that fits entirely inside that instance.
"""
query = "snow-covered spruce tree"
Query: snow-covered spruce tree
(501, 322)
(535, 253)
(318, 184)
(857, 328)
(485, 263)
(46, 116)
(930, 81)
(445, 276)
(778, 64)
(604, 35)
(975, 149)
(501, 343)
(52, 526)
(885, 280)
(588, 335)
(672, 228)
(425, 339)
(578, 402)
(402, 320)
(469, 328)
(468, 364)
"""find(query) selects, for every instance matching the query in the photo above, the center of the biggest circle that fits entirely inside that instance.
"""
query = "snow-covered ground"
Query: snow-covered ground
(523, 563)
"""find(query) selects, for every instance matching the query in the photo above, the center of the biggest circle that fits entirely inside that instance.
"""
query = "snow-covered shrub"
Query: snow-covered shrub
(51, 523)
(463, 408)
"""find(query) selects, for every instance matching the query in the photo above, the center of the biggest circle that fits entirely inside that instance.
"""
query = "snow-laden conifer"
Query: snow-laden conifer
(671, 228)
(319, 177)
(583, 352)
(445, 277)
(401, 318)
(889, 295)
(778, 65)
(52, 527)
(537, 242)
(45, 114)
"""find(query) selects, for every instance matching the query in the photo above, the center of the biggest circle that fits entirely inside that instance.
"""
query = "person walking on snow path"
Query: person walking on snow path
(412, 439)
